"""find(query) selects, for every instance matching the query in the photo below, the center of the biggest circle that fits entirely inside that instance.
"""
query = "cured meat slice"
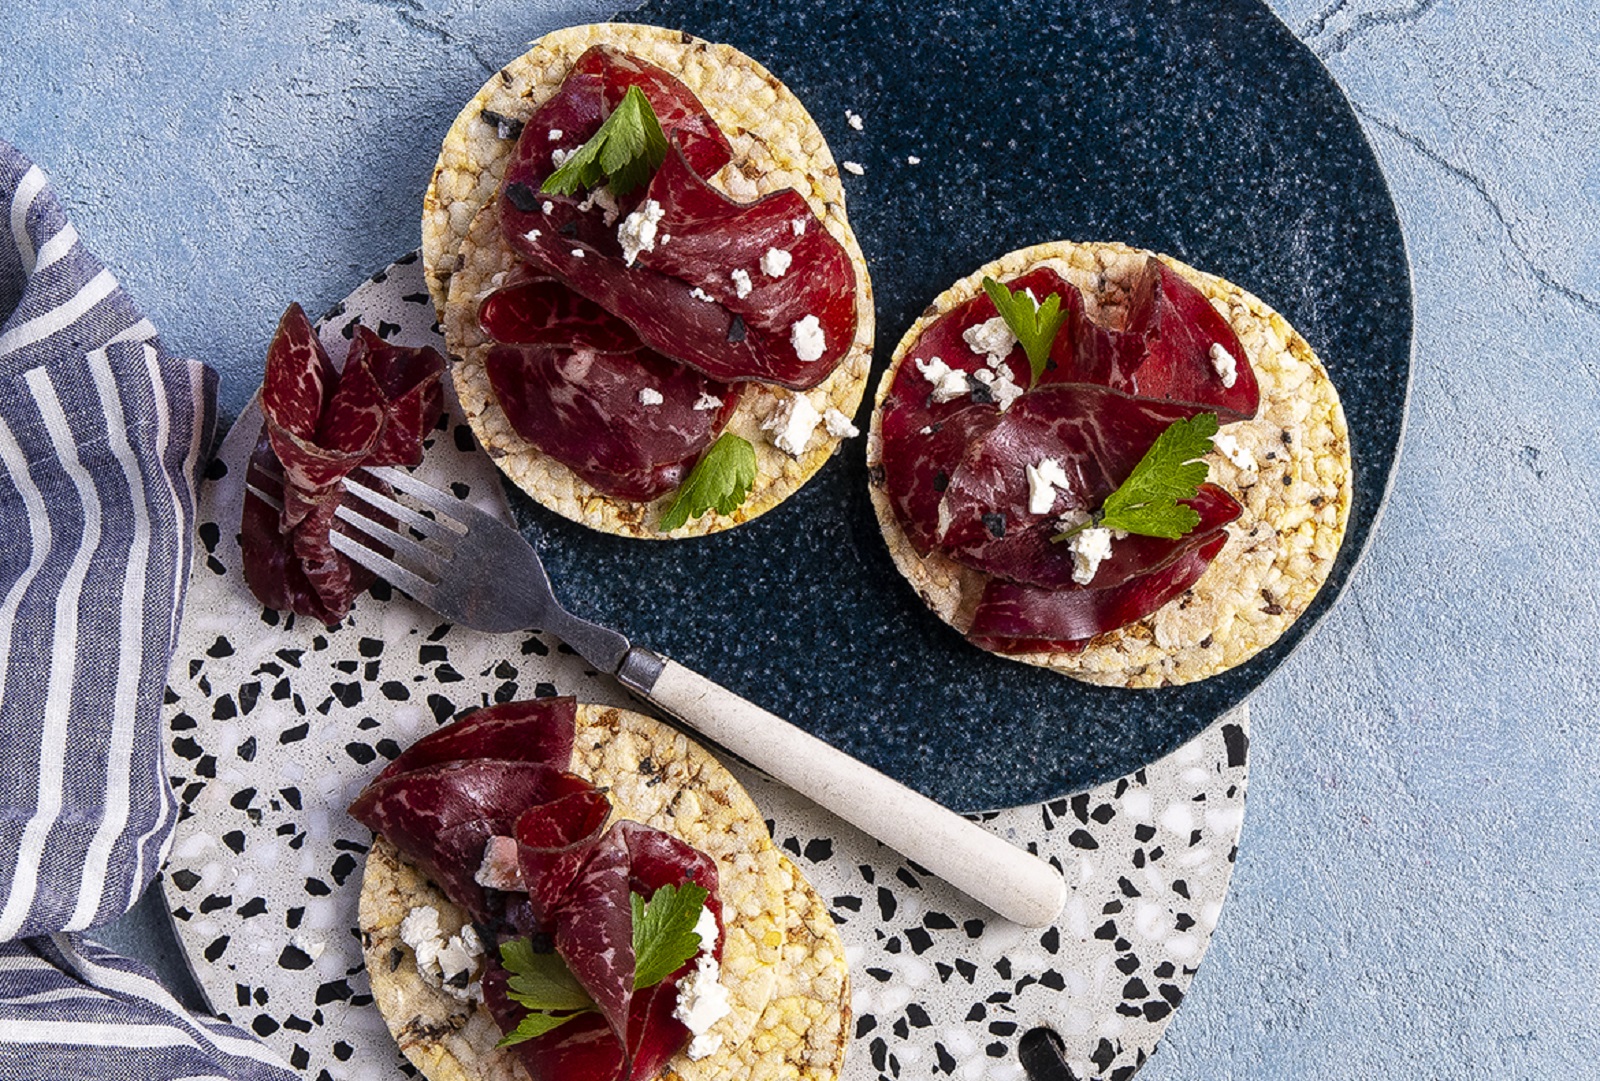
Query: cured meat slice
(1016, 618)
(442, 816)
(576, 382)
(1096, 435)
(702, 240)
(554, 840)
(320, 426)
(535, 730)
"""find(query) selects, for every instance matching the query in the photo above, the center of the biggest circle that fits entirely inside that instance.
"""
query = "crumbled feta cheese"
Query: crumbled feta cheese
(601, 197)
(1043, 480)
(791, 424)
(547, 206)
(707, 402)
(1227, 368)
(577, 253)
(799, 226)
(1090, 548)
(500, 869)
(1004, 388)
(741, 283)
(912, 159)
(992, 339)
(839, 425)
(650, 396)
(637, 232)
(700, 294)
(702, 998)
(853, 120)
(444, 962)
(926, 429)
(948, 383)
(556, 134)
(532, 235)
(775, 263)
(853, 168)
(1231, 450)
(558, 157)
(807, 338)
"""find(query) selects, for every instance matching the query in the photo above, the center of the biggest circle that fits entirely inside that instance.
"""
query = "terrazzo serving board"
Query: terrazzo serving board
(276, 724)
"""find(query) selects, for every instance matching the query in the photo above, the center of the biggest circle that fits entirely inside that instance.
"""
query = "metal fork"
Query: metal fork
(479, 572)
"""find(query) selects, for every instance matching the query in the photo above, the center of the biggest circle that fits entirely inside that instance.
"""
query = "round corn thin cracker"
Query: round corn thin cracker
(783, 962)
(1296, 502)
(775, 144)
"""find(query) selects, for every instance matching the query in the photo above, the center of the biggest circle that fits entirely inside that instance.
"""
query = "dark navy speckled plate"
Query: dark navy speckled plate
(1200, 128)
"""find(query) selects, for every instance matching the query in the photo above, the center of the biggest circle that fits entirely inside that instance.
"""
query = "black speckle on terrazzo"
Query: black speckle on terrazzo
(1201, 128)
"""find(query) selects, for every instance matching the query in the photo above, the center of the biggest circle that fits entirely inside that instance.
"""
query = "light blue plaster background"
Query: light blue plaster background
(1415, 890)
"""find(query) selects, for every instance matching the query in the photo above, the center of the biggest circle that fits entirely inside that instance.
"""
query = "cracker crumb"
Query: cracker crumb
(853, 168)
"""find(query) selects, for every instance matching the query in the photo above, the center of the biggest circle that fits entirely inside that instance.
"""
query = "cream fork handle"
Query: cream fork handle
(1017, 885)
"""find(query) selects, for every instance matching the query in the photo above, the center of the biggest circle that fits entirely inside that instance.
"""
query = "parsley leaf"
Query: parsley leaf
(1147, 503)
(1035, 325)
(543, 984)
(628, 147)
(663, 931)
(663, 939)
(720, 480)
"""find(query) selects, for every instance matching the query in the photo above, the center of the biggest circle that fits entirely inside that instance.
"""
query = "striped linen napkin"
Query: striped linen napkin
(101, 438)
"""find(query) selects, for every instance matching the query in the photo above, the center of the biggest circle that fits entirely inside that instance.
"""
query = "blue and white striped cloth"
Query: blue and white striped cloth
(102, 434)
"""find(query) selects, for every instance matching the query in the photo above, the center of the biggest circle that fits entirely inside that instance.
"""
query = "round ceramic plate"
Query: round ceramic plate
(277, 723)
(1199, 128)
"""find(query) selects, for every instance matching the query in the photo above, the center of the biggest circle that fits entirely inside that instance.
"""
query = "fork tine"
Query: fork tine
(439, 501)
(418, 587)
(428, 527)
(404, 547)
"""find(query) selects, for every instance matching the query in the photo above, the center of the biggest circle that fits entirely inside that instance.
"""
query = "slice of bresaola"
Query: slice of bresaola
(956, 471)
(577, 383)
(706, 243)
(320, 426)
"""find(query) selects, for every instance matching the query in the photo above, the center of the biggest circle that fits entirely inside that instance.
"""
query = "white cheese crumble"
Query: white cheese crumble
(637, 232)
(741, 283)
(702, 998)
(532, 235)
(912, 159)
(948, 383)
(1005, 389)
(799, 226)
(1231, 450)
(853, 168)
(1043, 480)
(444, 962)
(556, 134)
(1226, 367)
(558, 157)
(852, 119)
(991, 339)
(700, 294)
(791, 424)
(500, 869)
(807, 338)
(1090, 548)
(601, 197)
(577, 253)
(707, 402)
(839, 425)
(547, 206)
(775, 263)
(650, 396)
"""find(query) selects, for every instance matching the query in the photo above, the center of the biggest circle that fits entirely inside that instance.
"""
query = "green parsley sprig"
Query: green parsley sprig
(628, 148)
(719, 481)
(663, 939)
(1147, 503)
(1035, 325)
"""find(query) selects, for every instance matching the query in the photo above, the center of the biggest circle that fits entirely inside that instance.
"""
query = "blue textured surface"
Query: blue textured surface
(1413, 898)
(1133, 120)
